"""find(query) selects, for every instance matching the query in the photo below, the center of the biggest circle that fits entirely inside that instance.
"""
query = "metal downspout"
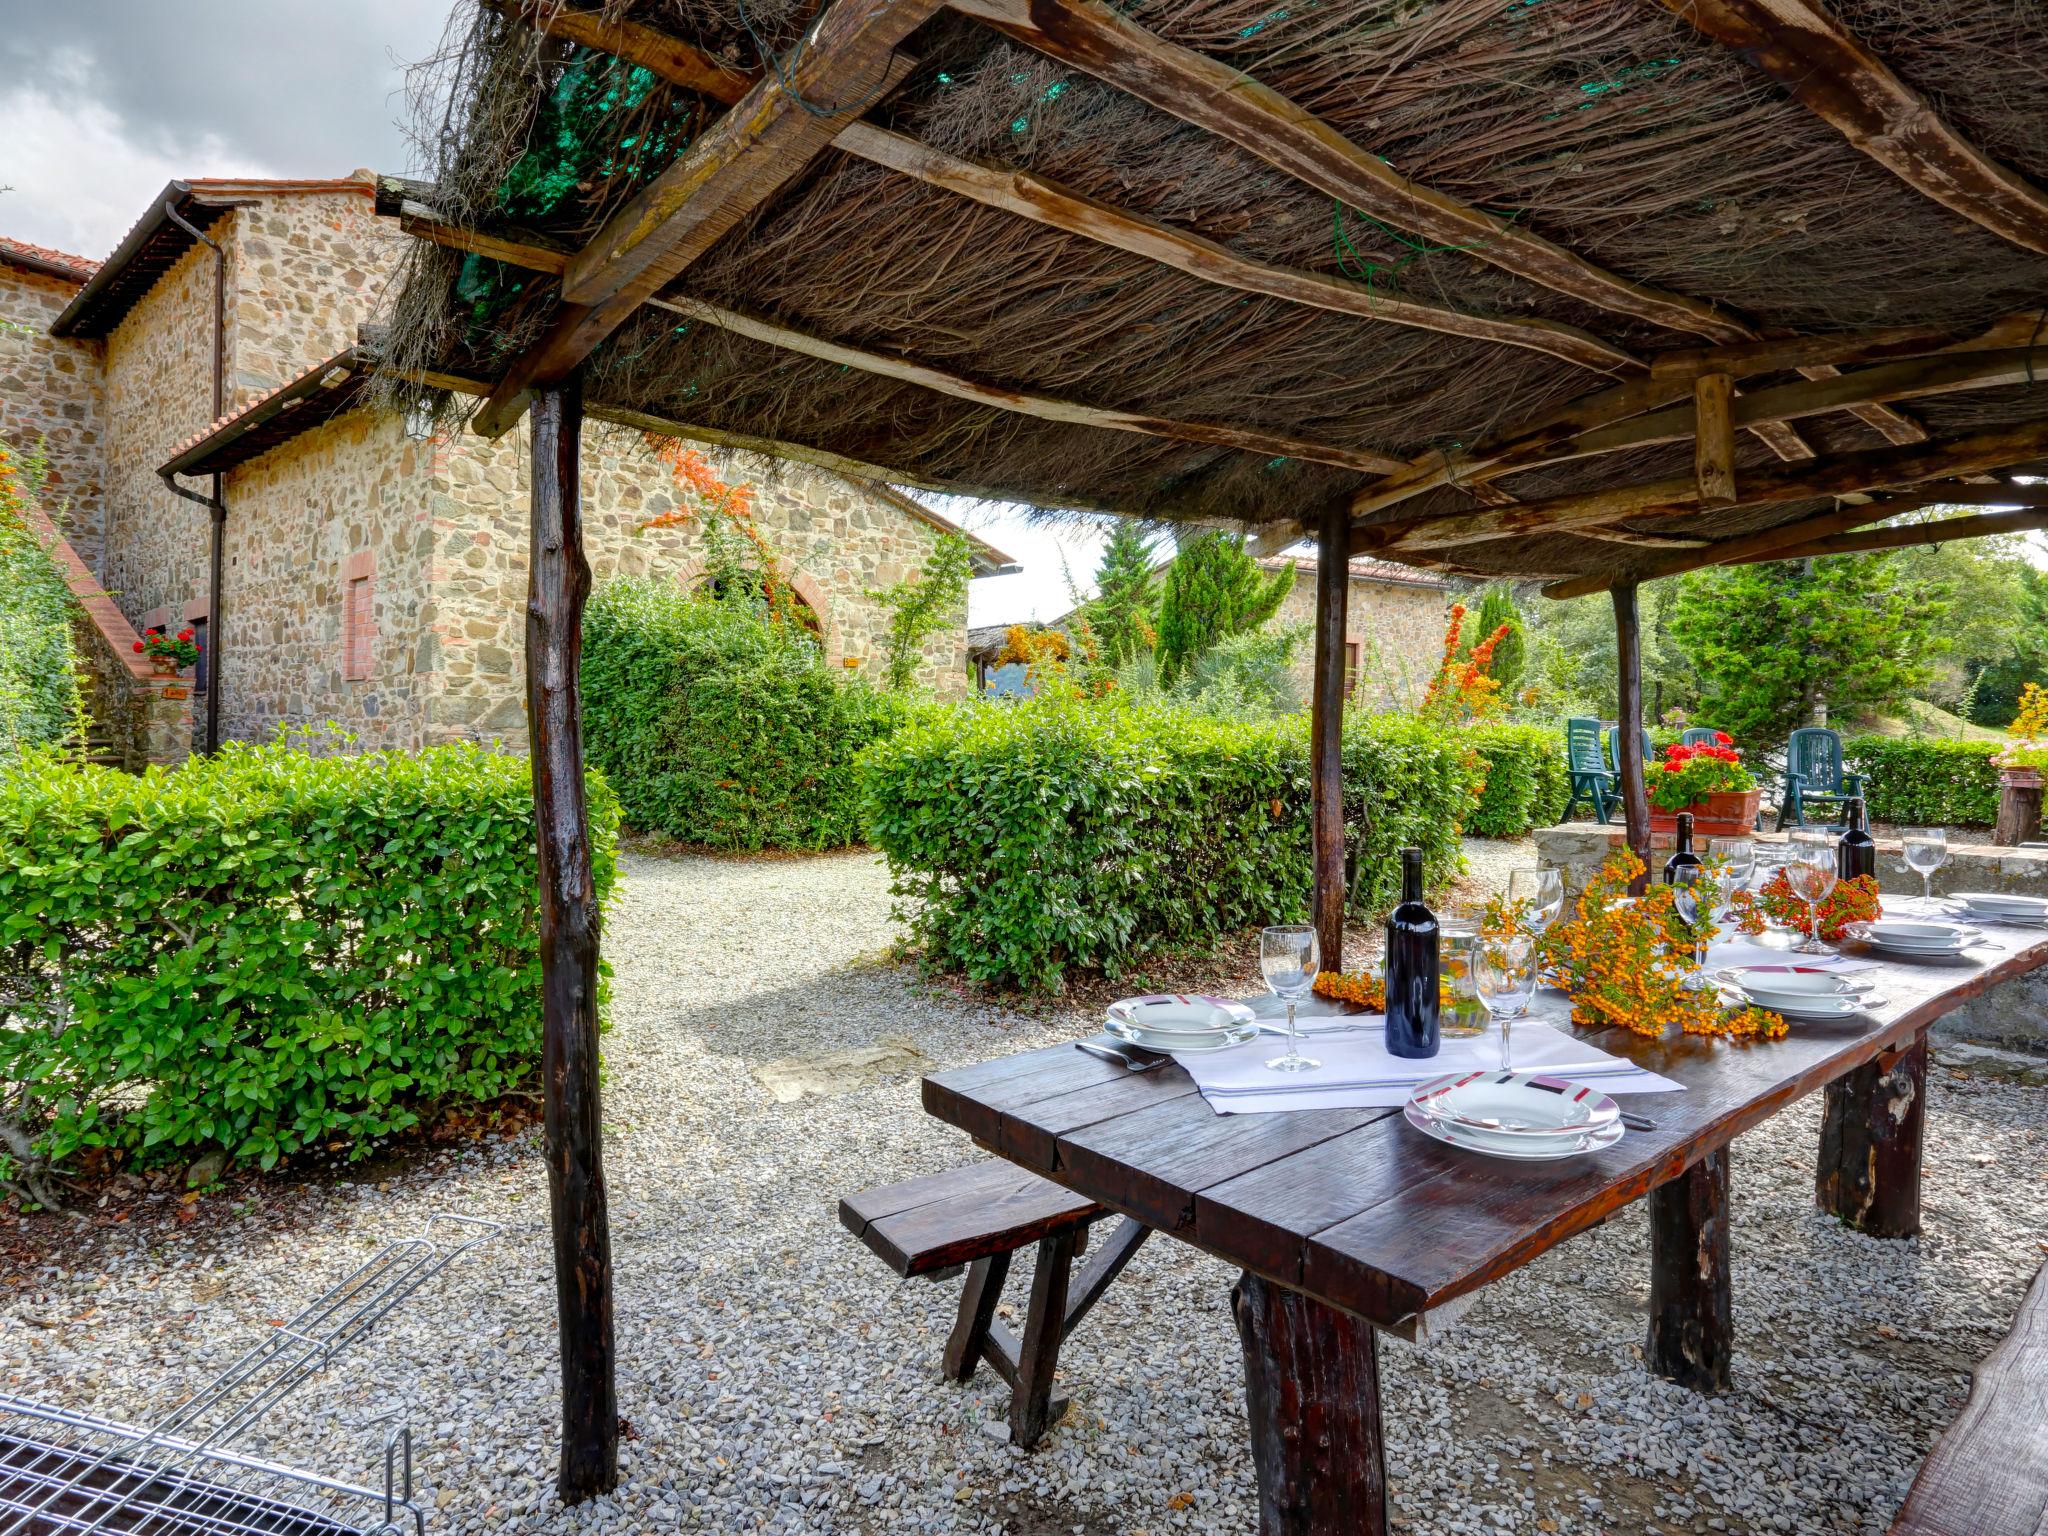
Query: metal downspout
(215, 629)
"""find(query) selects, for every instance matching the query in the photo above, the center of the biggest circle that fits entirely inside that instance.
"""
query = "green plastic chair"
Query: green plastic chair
(1698, 736)
(1614, 749)
(1591, 781)
(1815, 778)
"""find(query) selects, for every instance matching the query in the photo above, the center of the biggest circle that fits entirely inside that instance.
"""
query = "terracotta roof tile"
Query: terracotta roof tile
(1364, 568)
(43, 259)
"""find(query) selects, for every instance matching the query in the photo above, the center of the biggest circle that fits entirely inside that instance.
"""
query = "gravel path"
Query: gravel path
(777, 1378)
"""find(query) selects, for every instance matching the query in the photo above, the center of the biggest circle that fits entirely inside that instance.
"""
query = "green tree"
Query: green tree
(1996, 681)
(1126, 594)
(923, 604)
(1511, 655)
(1771, 641)
(1213, 589)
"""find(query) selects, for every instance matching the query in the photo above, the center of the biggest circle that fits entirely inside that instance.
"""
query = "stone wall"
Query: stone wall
(308, 269)
(350, 498)
(837, 539)
(1399, 630)
(50, 392)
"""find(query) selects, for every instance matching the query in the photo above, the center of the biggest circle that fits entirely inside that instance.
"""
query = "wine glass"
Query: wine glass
(1506, 973)
(1926, 850)
(1287, 959)
(1689, 883)
(1537, 895)
(1812, 873)
(1734, 859)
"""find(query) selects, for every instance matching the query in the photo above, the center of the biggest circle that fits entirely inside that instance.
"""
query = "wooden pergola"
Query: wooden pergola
(1075, 256)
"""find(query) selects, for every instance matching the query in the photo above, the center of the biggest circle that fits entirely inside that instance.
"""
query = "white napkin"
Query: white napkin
(1743, 953)
(1357, 1072)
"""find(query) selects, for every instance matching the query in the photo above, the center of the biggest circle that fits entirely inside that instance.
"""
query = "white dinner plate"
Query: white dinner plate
(1794, 983)
(1180, 1013)
(2004, 902)
(1537, 1149)
(1911, 934)
(1183, 1042)
(1518, 1105)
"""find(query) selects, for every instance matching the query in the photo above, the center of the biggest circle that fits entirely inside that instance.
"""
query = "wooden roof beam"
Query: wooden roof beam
(846, 61)
(1024, 403)
(1771, 543)
(1827, 69)
(1994, 448)
(1211, 95)
(1912, 536)
(1543, 438)
(1046, 202)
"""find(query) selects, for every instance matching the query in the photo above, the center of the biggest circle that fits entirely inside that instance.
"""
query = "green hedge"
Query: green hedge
(1526, 780)
(718, 727)
(1926, 781)
(1034, 836)
(268, 950)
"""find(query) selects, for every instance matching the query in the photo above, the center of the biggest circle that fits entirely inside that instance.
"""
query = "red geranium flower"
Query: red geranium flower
(184, 634)
(138, 645)
(1724, 739)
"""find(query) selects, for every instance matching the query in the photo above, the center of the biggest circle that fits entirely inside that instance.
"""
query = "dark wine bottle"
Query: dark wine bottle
(1412, 967)
(1684, 858)
(1856, 853)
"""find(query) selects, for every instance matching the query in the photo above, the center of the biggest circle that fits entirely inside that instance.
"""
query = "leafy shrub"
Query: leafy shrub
(268, 950)
(717, 725)
(1034, 836)
(38, 667)
(1929, 781)
(1527, 783)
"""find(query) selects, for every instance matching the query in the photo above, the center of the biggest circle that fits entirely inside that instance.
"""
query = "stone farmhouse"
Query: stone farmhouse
(350, 568)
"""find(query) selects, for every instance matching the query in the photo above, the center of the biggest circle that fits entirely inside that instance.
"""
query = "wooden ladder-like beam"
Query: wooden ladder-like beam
(1827, 69)
(846, 62)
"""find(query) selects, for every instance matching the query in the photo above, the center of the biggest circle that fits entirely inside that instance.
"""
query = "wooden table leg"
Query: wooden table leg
(1691, 1336)
(1313, 1392)
(1870, 1135)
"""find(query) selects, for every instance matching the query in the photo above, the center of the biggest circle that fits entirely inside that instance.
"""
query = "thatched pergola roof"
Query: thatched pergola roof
(1455, 263)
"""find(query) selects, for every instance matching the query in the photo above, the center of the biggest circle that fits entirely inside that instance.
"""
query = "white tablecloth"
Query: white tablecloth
(1357, 1071)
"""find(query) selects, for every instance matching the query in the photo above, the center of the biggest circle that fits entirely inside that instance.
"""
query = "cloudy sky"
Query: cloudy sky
(103, 101)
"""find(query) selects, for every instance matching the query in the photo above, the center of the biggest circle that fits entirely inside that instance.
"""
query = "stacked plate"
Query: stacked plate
(1915, 938)
(1181, 1022)
(1528, 1116)
(1803, 992)
(2001, 907)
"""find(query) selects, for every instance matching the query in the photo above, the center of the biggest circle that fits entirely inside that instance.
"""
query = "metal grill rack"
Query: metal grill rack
(66, 1473)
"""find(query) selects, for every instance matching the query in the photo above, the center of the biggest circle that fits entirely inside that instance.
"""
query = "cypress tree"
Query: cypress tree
(1213, 589)
(1125, 592)
(1495, 609)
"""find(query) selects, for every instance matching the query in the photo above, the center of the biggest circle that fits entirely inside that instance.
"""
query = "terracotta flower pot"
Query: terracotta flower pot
(1731, 813)
(2020, 778)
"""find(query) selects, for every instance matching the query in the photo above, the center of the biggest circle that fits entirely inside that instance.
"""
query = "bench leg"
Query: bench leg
(1032, 1410)
(969, 1339)
(1691, 1334)
(1312, 1390)
(1870, 1135)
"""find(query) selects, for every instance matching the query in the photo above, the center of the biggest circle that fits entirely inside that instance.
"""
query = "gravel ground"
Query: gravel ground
(777, 1378)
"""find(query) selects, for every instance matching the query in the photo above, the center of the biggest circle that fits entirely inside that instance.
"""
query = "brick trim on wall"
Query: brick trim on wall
(359, 616)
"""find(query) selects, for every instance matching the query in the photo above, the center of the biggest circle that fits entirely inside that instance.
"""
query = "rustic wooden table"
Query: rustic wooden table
(1347, 1221)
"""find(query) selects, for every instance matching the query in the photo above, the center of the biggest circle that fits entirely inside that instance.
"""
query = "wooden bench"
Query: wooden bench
(1988, 1473)
(979, 1216)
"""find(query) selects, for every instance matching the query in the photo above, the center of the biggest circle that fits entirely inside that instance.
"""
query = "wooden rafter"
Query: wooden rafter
(1994, 448)
(1048, 203)
(847, 60)
(1546, 437)
(1211, 95)
(1044, 407)
(1771, 542)
(1943, 531)
(1713, 438)
(417, 219)
(1828, 69)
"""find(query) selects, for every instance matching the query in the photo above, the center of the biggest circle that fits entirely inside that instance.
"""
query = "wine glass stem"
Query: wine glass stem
(1293, 1050)
(1927, 886)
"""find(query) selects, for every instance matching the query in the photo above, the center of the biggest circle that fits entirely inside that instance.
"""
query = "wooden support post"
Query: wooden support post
(1312, 1389)
(1869, 1174)
(1326, 730)
(558, 583)
(1691, 1335)
(1713, 447)
(978, 1301)
(1032, 1406)
(1628, 657)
